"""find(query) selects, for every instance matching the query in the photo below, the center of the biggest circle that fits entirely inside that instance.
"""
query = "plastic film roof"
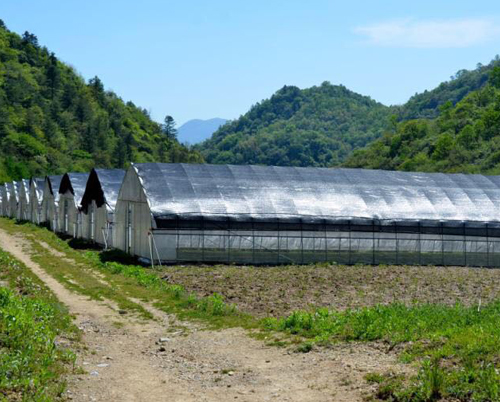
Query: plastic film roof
(54, 183)
(74, 182)
(103, 186)
(38, 182)
(6, 192)
(25, 185)
(13, 189)
(261, 192)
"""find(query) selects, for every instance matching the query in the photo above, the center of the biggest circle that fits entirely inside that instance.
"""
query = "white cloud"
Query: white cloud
(430, 33)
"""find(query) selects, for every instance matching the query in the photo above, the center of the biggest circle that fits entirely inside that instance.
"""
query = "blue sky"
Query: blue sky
(203, 59)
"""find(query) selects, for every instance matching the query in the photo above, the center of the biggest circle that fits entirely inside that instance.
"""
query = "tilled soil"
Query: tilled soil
(277, 291)
(124, 359)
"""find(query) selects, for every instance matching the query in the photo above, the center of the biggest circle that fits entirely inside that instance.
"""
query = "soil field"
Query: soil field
(277, 291)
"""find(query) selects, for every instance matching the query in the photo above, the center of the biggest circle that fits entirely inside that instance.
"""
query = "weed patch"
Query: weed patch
(31, 365)
(210, 306)
(455, 347)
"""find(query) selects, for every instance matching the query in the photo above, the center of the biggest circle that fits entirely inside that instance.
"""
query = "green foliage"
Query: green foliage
(318, 126)
(427, 105)
(323, 126)
(213, 305)
(30, 362)
(495, 77)
(456, 347)
(52, 121)
(464, 138)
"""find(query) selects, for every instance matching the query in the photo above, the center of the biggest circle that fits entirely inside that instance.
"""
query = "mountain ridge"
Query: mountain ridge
(196, 130)
(464, 138)
(316, 126)
(272, 133)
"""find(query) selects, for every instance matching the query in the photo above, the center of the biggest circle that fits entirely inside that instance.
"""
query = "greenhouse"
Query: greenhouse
(36, 197)
(2, 197)
(50, 201)
(283, 215)
(98, 205)
(14, 188)
(71, 192)
(23, 205)
(5, 199)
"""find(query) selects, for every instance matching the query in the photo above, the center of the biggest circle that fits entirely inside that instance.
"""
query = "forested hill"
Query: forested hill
(52, 121)
(318, 126)
(464, 138)
(427, 103)
(322, 126)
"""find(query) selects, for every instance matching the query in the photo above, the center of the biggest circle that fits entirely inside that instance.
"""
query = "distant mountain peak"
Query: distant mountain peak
(198, 130)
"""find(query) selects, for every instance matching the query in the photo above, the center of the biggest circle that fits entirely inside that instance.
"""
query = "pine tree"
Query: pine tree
(53, 75)
(29, 38)
(168, 128)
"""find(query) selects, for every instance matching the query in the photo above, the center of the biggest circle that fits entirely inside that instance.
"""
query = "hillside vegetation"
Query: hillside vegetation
(427, 103)
(464, 138)
(322, 126)
(318, 126)
(52, 121)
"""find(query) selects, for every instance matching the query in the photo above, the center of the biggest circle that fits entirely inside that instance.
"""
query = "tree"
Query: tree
(29, 38)
(495, 77)
(97, 89)
(168, 128)
(53, 75)
(163, 151)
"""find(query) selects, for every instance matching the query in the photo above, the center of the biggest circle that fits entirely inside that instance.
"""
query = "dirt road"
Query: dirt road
(125, 360)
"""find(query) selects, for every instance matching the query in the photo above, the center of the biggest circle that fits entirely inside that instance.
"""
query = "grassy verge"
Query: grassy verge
(455, 348)
(174, 298)
(32, 367)
(87, 272)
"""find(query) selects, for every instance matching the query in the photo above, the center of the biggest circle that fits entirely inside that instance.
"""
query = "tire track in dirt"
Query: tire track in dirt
(129, 363)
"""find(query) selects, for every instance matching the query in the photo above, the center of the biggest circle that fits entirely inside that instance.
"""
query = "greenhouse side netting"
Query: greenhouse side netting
(349, 241)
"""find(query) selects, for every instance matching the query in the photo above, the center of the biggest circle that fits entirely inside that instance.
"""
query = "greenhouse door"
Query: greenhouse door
(92, 221)
(66, 220)
(129, 230)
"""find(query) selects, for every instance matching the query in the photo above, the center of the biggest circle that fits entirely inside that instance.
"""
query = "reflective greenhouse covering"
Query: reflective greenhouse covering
(54, 183)
(103, 186)
(75, 183)
(242, 192)
(98, 205)
(258, 214)
(38, 184)
(14, 188)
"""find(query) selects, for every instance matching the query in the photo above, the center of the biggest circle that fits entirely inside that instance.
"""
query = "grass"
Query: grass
(454, 347)
(93, 274)
(32, 367)
(172, 297)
